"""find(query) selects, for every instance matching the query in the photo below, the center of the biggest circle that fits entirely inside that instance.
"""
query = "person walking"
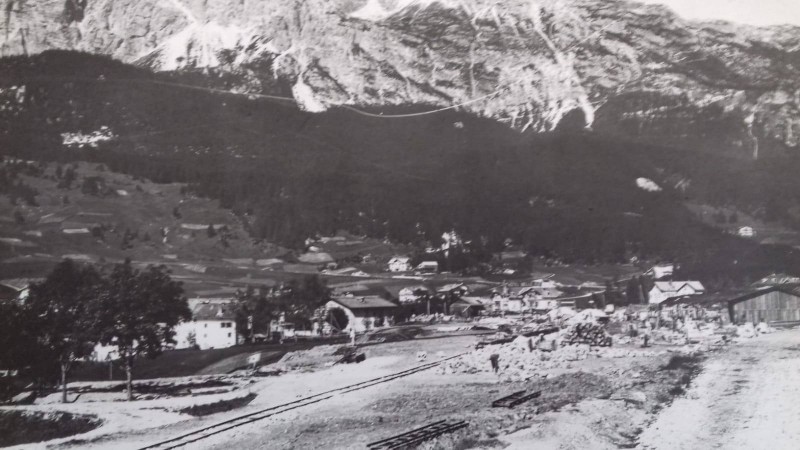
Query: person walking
(495, 360)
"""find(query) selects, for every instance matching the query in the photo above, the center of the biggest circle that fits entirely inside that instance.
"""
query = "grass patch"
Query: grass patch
(23, 427)
(220, 406)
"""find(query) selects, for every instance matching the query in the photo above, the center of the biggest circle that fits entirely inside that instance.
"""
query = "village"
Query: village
(399, 224)
(414, 324)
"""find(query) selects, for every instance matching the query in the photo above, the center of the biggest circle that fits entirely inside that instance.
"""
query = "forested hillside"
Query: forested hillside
(571, 194)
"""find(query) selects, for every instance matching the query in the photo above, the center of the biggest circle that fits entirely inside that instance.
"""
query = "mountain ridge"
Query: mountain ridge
(625, 66)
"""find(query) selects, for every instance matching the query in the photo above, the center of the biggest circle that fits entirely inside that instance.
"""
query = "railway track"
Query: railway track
(229, 424)
(417, 436)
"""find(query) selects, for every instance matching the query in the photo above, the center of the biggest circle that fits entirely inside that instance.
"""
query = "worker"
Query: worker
(352, 336)
(495, 360)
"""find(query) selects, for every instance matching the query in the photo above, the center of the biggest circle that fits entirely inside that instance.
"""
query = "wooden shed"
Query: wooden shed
(772, 304)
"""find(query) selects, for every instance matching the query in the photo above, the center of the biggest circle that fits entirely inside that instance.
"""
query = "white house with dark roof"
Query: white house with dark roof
(361, 313)
(213, 324)
(663, 290)
(400, 264)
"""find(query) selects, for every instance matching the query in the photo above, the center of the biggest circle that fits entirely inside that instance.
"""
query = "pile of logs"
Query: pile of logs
(587, 333)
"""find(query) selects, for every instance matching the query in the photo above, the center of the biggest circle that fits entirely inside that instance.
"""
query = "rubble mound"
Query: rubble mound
(309, 359)
(525, 358)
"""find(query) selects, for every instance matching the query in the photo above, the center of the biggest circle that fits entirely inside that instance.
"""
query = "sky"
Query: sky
(753, 12)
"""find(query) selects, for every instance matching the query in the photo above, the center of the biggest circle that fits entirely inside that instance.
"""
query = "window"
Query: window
(229, 335)
(226, 324)
(205, 325)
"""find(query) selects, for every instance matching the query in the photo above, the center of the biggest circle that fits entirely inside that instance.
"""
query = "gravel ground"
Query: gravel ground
(746, 398)
(599, 402)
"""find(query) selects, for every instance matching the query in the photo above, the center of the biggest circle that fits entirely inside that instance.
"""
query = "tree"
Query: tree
(63, 308)
(302, 297)
(256, 306)
(139, 311)
(18, 345)
(633, 291)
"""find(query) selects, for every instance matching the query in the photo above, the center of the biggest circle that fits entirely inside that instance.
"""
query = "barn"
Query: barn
(772, 304)
(362, 313)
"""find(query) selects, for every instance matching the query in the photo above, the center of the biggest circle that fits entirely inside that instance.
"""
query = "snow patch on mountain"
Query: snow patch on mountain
(201, 45)
(305, 97)
(375, 11)
(648, 185)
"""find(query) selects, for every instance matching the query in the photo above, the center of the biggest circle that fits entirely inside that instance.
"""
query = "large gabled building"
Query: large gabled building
(770, 304)
(213, 325)
(663, 290)
(361, 313)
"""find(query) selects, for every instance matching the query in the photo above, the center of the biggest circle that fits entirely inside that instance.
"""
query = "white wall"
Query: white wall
(208, 334)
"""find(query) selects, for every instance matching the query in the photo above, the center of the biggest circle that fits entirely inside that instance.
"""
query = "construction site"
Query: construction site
(564, 379)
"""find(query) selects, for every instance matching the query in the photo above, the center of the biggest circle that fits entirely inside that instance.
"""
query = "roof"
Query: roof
(401, 259)
(428, 264)
(675, 286)
(787, 289)
(451, 287)
(364, 302)
(470, 301)
(214, 311)
(777, 278)
(731, 297)
(20, 284)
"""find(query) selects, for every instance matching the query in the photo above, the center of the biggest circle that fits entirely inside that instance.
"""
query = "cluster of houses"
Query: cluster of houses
(775, 298)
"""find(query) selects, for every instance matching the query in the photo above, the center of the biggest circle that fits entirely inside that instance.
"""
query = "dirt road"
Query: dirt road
(747, 397)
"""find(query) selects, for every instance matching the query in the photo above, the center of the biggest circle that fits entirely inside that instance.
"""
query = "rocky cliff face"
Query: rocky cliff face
(620, 66)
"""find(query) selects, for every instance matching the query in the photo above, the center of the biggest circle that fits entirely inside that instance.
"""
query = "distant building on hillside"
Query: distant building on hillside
(361, 313)
(746, 232)
(660, 271)
(400, 264)
(213, 325)
(663, 290)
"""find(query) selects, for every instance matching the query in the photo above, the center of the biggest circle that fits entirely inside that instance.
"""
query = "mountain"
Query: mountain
(618, 66)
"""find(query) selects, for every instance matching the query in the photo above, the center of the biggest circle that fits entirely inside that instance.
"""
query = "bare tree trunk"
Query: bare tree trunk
(128, 372)
(63, 382)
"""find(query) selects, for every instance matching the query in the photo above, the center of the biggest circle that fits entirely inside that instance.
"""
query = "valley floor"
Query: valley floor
(744, 395)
